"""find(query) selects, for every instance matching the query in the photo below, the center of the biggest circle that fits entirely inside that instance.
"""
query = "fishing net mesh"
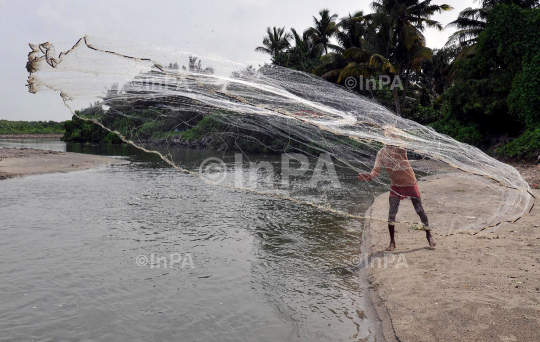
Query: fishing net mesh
(283, 133)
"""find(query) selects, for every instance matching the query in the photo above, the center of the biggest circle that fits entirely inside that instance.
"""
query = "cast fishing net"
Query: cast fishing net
(281, 133)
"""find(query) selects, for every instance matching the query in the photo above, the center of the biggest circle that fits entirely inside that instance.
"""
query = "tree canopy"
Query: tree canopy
(484, 82)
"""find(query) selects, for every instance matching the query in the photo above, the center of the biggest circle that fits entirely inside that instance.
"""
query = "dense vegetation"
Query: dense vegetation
(77, 130)
(31, 127)
(196, 131)
(496, 91)
(482, 88)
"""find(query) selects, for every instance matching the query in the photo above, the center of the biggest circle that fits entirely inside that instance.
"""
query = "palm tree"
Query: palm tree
(436, 71)
(275, 42)
(349, 59)
(384, 66)
(472, 21)
(305, 44)
(303, 56)
(324, 29)
(469, 23)
(415, 12)
(387, 42)
(351, 31)
(400, 24)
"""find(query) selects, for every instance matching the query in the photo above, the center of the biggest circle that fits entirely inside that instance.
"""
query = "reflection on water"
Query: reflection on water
(262, 266)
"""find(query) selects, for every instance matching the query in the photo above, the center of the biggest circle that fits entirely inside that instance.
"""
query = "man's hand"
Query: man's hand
(364, 177)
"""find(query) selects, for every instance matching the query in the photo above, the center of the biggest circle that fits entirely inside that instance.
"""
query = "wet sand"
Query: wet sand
(19, 162)
(483, 287)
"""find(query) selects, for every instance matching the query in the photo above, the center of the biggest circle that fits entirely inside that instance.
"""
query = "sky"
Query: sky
(231, 28)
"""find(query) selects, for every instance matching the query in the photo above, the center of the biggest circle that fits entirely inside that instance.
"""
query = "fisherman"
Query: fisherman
(404, 184)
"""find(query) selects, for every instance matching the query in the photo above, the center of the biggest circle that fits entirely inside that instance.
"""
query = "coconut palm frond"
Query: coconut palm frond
(418, 56)
(356, 54)
(332, 75)
(381, 63)
(356, 70)
(275, 42)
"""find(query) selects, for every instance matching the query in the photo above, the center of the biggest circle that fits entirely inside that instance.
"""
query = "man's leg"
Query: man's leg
(394, 207)
(417, 203)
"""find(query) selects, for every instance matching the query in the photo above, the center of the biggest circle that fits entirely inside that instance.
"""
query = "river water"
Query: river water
(142, 252)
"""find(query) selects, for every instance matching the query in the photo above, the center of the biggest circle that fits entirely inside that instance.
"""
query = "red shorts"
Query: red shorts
(404, 191)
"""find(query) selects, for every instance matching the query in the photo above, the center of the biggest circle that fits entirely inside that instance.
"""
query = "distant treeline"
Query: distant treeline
(31, 127)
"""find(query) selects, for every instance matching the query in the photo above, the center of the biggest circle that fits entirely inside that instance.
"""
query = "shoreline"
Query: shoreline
(384, 330)
(467, 288)
(30, 136)
(20, 162)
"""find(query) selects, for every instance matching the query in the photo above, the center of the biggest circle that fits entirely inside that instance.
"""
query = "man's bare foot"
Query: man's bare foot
(432, 242)
(391, 247)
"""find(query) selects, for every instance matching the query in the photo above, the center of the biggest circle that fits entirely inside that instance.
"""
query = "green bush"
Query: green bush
(112, 138)
(498, 90)
(77, 130)
(513, 38)
(467, 134)
(421, 114)
(527, 145)
(207, 125)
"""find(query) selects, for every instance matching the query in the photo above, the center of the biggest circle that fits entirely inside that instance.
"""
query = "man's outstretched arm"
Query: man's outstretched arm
(374, 173)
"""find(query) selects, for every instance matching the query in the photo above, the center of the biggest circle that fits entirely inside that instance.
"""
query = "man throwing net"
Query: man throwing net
(403, 184)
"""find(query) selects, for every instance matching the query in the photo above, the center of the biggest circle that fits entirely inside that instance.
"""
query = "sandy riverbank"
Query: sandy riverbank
(18, 162)
(467, 288)
(31, 136)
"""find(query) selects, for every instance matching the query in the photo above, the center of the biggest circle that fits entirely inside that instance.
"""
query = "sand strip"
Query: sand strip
(31, 136)
(467, 288)
(19, 162)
